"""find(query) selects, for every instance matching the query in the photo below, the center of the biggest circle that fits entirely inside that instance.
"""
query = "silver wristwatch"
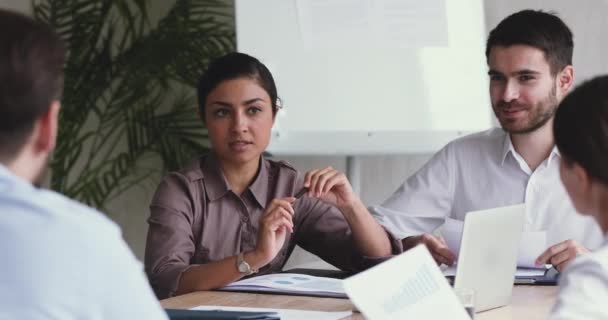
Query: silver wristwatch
(243, 266)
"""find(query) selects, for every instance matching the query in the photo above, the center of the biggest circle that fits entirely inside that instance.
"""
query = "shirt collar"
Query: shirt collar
(507, 147)
(554, 153)
(216, 184)
(259, 186)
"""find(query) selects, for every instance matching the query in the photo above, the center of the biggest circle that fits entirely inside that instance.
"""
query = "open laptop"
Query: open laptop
(488, 254)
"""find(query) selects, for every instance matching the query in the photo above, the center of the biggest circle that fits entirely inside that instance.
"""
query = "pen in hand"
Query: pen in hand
(300, 193)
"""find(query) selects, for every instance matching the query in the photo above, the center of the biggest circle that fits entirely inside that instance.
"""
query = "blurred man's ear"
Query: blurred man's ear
(565, 80)
(46, 131)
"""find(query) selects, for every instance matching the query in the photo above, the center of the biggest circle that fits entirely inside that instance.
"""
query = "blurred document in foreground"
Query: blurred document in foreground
(409, 286)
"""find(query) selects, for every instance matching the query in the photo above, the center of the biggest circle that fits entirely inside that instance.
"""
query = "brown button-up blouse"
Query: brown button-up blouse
(195, 218)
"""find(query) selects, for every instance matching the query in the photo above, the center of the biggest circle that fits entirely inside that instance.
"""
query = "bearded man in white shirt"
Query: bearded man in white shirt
(529, 55)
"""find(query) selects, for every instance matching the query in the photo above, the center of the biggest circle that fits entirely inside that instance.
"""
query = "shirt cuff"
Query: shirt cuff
(396, 244)
(165, 283)
(366, 262)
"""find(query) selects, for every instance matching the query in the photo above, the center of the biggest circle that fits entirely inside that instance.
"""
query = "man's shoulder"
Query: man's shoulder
(78, 212)
(74, 255)
(473, 148)
(57, 213)
(483, 139)
(53, 237)
(480, 143)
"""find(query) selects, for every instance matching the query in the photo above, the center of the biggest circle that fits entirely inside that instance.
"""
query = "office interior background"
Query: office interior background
(382, 174)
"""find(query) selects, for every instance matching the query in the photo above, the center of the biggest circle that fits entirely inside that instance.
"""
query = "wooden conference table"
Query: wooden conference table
(528, 302)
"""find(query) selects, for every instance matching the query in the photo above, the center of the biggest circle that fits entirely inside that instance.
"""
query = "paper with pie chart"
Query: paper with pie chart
(290, 283)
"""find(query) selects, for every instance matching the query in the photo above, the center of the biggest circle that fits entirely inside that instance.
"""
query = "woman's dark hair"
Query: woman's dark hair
(232, 66)
(581, 127)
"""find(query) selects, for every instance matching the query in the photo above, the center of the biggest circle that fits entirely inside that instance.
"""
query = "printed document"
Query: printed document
(409, 286)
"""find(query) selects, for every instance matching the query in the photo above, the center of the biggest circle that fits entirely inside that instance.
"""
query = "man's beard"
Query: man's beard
(543, 111)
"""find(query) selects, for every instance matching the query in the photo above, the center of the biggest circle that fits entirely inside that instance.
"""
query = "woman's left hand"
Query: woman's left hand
(331, 186)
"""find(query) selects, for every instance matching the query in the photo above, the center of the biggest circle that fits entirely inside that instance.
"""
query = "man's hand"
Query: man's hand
(439, 250)
(561, 254)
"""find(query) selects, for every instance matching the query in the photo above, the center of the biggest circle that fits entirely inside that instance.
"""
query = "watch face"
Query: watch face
(243, 267)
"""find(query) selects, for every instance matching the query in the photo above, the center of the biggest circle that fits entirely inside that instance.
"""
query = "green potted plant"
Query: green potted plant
(129, 89)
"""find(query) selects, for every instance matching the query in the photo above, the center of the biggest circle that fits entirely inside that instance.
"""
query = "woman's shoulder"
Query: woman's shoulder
(181, 181)
(583, 287)
(190, 173)
(280, 166)
(597, 260)
(593, 264)
(283, 175)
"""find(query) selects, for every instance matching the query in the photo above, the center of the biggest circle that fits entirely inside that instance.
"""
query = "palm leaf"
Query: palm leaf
(129, 86)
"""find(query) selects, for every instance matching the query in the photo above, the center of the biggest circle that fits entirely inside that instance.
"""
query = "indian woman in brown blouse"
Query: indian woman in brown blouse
(232, 213)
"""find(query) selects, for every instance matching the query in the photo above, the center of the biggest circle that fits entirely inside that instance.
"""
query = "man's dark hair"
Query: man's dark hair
(581, 127)
(538, 29)
(231, 66)
(31, 77)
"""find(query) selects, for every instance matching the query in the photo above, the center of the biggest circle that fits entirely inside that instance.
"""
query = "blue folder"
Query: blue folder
(179, 314)
(548, 279)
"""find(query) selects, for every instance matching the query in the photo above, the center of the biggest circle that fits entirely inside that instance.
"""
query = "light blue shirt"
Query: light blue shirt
(63, 260)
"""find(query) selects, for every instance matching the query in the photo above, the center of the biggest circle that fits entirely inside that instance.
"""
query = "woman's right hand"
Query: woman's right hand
(274, 225)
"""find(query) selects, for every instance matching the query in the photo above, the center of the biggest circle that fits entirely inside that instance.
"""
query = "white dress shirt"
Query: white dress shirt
(63, 260)
(483, 171)
(583, 288)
